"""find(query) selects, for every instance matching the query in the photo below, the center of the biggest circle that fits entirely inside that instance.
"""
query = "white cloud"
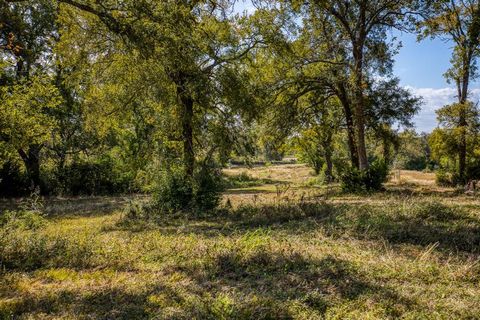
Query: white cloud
(433, 99)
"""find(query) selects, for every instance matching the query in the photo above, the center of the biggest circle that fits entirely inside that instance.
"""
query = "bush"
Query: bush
(207, 189)
(175, 192)
(92, 178)
(357, 181)
(473, 171)
(243, 180)
(444, 178)
(23, 219)
(416, 163)
(13, 182)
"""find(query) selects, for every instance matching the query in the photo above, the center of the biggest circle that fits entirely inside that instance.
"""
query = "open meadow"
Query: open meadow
(279, 247)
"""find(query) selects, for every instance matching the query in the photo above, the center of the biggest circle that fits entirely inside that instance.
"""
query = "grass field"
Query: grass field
(283, 247)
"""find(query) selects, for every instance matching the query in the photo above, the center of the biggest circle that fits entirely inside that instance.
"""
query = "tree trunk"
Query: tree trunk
(386, 150)
(186, 102)
(343, 97)
(31, 159)
(329, 169)
(187, 132)
(359, 109)
(462, 147)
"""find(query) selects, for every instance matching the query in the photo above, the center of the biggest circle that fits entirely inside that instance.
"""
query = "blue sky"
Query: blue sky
(420, 67)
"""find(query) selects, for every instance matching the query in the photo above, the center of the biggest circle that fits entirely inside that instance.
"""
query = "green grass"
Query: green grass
(386, 256)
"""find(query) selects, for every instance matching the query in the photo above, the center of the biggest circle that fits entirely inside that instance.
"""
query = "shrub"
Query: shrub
(92, 178)
(372, 179)
(243, 180)
(13, 182)
(175, 192)
(443, 178)
(28, 220)
(473, 171)
(207, 189)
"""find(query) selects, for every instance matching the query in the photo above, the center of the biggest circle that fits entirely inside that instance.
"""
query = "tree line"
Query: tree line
(141, 96)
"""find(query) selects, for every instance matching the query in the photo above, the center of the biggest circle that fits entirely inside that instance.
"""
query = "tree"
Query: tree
(27, 88)
(192, 40)
(317, 134)
(389, 104)
(363, 25)
(459, 22)
(414, 151)
(446, 140)
(315, 57)
(24, 121)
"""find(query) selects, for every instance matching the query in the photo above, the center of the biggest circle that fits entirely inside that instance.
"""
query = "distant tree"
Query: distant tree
(413, 152)
(446, 139)
(316, 138)
(363, 26)
(459, 22)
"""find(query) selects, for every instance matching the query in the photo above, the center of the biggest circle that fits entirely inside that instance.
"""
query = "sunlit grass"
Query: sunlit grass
(283, 253)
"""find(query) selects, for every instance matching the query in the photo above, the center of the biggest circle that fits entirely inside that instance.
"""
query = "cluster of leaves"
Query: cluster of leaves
(175, 193)
(360, 181)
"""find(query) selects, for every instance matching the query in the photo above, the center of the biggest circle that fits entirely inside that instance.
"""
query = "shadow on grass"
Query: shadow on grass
(94, 303)
(284, 277)
(414, 223)
(75, 206)
(231, 285)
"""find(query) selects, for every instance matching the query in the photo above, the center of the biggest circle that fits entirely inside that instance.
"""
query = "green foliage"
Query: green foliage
(449, 178)
(473, 170)
(447, 140)
(177, 192)
(358, 181)
(24, 111)
(414, 152)
(22, 219)
(13, 181)
(98, 177)
(174, 192)
(207, 189)
(444, 178)
(310, 150)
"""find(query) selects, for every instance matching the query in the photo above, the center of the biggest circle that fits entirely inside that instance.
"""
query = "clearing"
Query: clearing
(282, 248)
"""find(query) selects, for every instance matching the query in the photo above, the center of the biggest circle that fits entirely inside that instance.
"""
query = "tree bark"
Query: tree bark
(186, 102)
(187, 134)
(462, 97)
(347, 110)
(31, 159)
(386, 150)
(359, 108)
(328, 161)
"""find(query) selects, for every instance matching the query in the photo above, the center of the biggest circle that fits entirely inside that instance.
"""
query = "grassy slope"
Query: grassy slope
(282, 252)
